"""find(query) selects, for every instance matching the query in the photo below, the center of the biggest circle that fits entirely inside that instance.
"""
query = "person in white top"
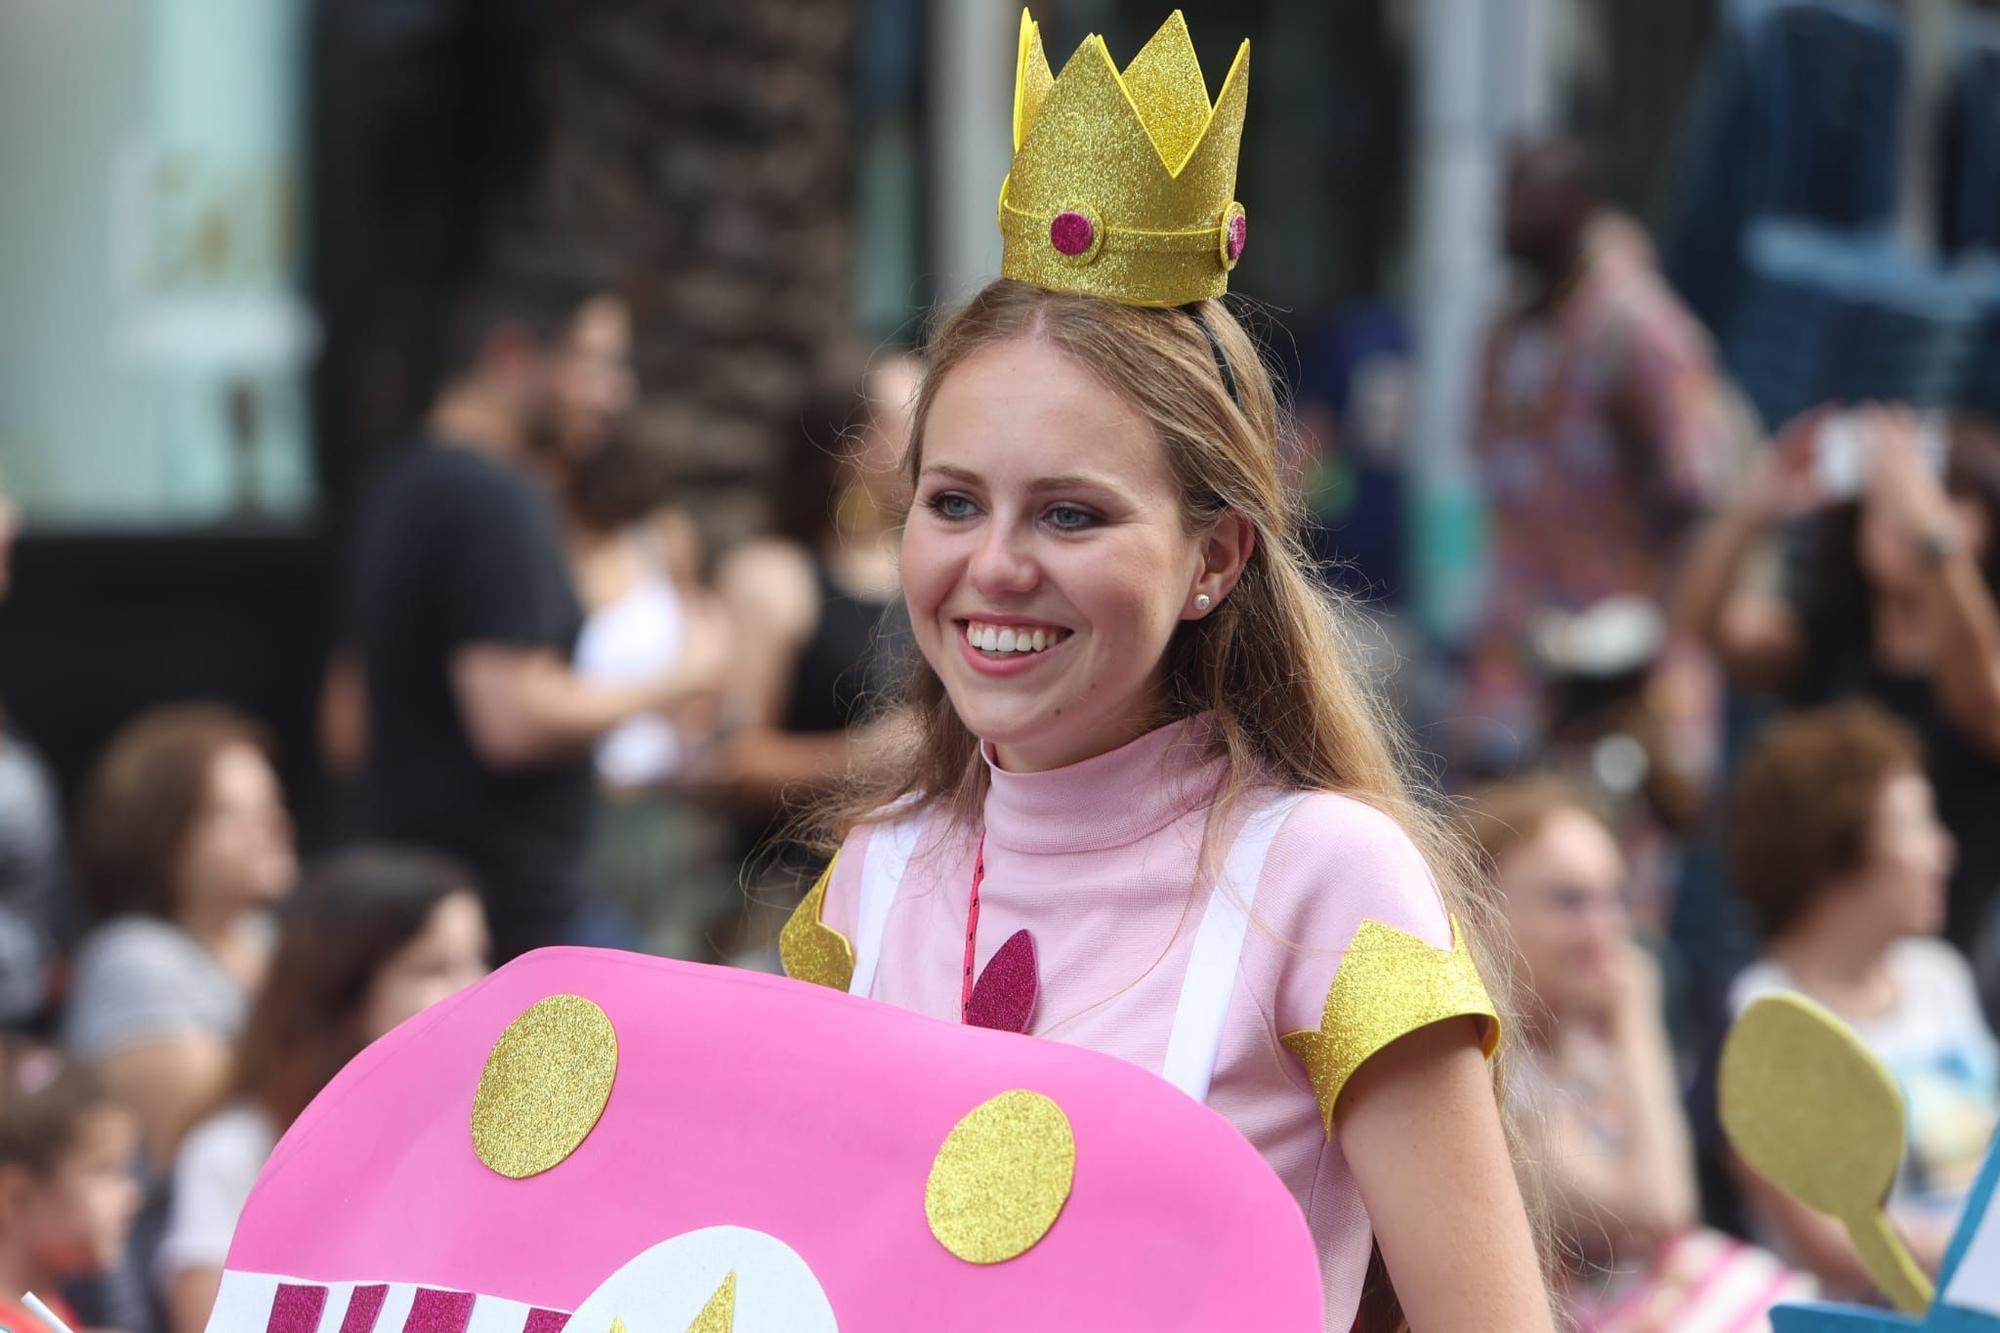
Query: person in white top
(1835, 841)
(374, 936)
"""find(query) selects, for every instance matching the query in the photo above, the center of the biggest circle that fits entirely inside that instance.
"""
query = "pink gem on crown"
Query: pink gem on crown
(1239, 235)
(1071, 233)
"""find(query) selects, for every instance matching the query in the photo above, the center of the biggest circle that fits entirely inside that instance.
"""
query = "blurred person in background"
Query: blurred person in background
(635, 558)
(1617, 1146)
(374, 936)
(184, 847)
(1602, 435)
(1892, 601)
(67, 1193)
(36, 912)
(1599, 1094)
(1835, 843)
(818, 618)
(464, 621)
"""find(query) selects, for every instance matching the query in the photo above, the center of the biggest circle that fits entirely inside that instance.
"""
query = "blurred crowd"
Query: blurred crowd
(1729, 722)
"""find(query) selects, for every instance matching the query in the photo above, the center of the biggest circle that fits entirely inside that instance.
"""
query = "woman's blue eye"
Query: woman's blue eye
(1070, 517)
(950, 504)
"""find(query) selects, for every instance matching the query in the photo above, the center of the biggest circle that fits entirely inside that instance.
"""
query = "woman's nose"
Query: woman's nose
(1003, 563)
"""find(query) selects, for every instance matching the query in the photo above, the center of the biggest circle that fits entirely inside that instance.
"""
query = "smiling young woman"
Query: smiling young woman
(1146, 803)
(1134, 712)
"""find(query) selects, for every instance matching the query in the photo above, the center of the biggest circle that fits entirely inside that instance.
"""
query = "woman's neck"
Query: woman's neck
(218, 929)
(1113, 733)
(1840, 962)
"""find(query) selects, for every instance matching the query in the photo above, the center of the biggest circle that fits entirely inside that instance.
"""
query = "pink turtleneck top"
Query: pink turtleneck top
(1098, 862)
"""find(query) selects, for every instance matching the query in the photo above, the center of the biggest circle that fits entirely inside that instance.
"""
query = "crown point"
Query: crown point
(1072, 233)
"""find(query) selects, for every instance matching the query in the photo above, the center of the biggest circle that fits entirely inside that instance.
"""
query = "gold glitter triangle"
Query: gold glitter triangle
(1031, 78)
(617, 1324)
(719, 1315)
(810, 949)
(1165, 82)
(1390, 984)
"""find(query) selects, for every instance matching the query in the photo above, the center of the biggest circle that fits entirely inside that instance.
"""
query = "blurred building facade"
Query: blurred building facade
(231, 227)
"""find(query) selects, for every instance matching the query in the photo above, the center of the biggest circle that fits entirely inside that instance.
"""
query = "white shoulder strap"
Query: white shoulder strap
(1196, 1038)
(888, 855)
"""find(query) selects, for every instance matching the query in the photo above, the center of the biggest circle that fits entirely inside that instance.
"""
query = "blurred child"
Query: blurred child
(67, 1192)
(373, 937)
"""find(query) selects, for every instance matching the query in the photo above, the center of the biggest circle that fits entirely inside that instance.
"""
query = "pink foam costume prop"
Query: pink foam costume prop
(779, 1133)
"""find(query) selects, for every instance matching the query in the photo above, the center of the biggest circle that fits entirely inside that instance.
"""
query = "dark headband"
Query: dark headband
(1215, 346)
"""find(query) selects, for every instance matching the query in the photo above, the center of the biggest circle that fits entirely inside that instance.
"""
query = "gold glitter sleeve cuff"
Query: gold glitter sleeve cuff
(810, 949)
(1390, 984)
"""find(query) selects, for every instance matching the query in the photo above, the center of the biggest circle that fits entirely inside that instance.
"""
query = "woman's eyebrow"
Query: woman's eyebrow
(1067, 482)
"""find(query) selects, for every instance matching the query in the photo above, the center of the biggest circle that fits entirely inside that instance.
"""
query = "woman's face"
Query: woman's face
(1045, 514)
(594, 384)
(1909, 861)
(239, 853)
(877, 460)
(1564, 891)
(443, 958)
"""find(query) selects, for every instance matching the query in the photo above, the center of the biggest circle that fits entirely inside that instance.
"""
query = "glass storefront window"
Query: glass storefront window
(154, 341)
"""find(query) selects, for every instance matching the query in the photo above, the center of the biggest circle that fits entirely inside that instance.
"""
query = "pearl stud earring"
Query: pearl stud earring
(1203, 602)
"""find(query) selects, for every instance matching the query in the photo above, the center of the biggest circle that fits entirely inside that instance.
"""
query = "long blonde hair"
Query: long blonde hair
(1274, 664)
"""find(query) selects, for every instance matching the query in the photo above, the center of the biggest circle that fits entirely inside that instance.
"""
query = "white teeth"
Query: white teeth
(1009, 639)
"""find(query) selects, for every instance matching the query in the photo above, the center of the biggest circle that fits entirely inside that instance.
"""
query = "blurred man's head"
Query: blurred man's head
(1551, 196)
(551, 354)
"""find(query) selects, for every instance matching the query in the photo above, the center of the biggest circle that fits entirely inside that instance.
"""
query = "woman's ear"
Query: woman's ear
(1225, 549)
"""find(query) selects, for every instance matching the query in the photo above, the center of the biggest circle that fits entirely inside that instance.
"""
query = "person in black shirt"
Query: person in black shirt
(477, 733)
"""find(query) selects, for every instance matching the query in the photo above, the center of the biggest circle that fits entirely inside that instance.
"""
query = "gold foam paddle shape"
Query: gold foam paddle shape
(1815, 1113)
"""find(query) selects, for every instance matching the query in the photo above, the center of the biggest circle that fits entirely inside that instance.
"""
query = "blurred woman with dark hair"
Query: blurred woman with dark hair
(183, 846)
(816, 612)
(374, 936)
(1893, 602)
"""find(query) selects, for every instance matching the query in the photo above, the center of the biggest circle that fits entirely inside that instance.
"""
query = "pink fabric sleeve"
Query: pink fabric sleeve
(1335, 864)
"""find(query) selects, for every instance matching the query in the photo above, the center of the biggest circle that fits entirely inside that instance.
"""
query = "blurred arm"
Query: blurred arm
(1968, 650)
(1820, 1243)
(168, 1083)
(767, 589)
(525, 706)
(343, 715)
(1421, 1132)
(1757, 636)
(191, 1299)
(1637, 1198)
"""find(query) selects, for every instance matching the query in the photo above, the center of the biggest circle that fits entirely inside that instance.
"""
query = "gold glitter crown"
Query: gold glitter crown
(1123, 185)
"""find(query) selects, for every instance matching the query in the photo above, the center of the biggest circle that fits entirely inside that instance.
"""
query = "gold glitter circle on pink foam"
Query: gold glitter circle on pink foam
(1001, 1178)
(544, 1086)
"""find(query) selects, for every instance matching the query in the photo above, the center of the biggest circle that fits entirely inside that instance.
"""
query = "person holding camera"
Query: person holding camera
(1889, 596)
